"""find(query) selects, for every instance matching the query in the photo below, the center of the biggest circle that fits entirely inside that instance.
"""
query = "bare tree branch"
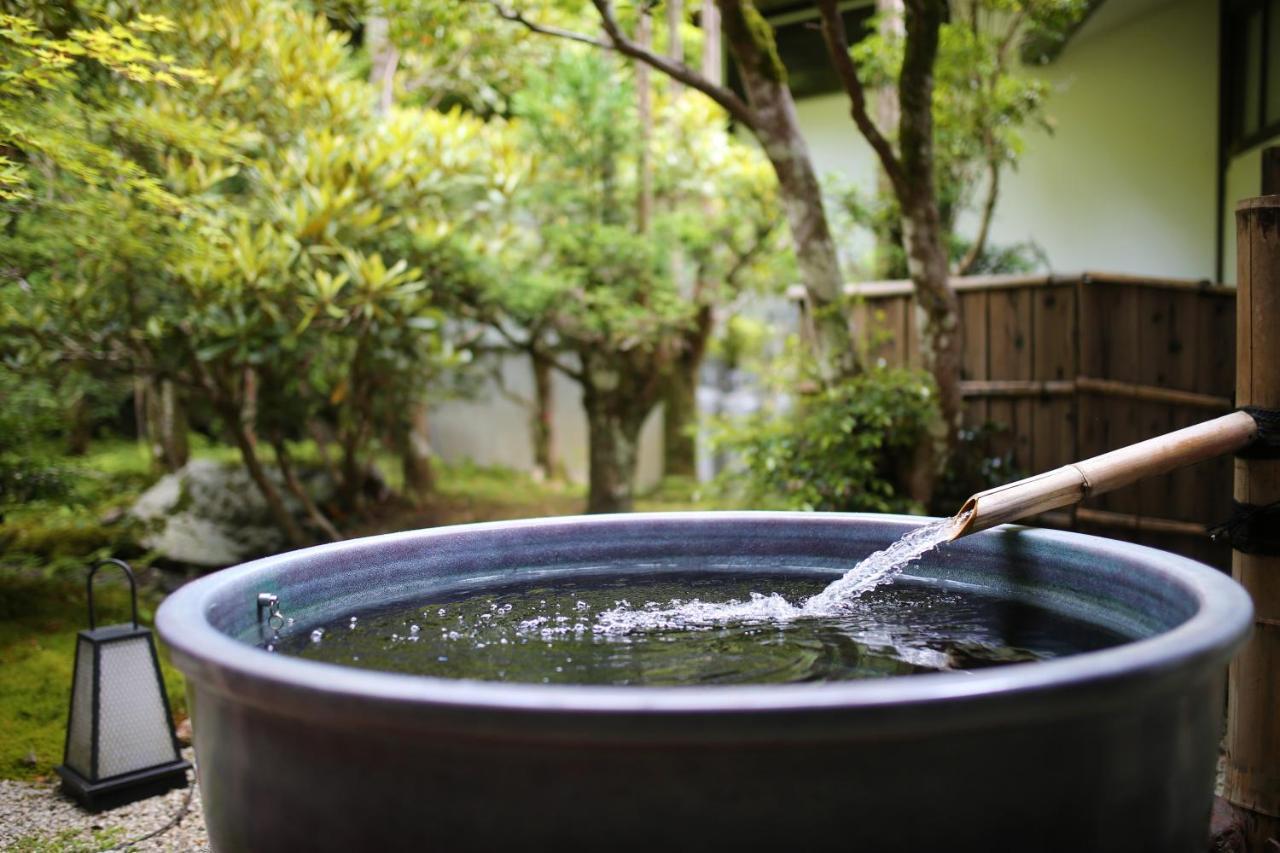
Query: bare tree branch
(528, 346)
(533, 26)
(837, 40)
(984, 227)
(759, 242)
(618, 41)
(1015, 25)
(722, 95)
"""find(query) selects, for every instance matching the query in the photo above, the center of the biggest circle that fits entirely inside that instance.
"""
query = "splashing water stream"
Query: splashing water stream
(870, 572)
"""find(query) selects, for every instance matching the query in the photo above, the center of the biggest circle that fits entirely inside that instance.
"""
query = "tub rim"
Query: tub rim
(1222, 618)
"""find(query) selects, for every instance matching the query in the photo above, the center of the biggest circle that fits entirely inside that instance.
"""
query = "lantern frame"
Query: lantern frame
(95, 792)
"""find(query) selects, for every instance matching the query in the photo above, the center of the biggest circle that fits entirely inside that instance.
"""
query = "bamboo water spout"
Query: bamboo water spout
(1072, 483)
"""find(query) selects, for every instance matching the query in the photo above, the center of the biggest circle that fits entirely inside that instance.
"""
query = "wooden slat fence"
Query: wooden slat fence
(1081, 364)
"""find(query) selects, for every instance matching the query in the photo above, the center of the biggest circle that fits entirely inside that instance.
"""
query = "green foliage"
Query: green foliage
(589, 269)
(53, 117)
(983, 459)
(741, 343)
(464, 54)
(34, 415)
(632, 234)
(53, 531)
(300, 269)
(23, 480)
(983, 106)
(836, 449)
(31, 412)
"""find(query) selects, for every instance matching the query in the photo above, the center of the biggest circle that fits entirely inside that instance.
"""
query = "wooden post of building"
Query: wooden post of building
(1253, 699)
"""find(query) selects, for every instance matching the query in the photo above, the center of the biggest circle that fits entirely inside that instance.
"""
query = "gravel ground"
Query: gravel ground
(37, 817)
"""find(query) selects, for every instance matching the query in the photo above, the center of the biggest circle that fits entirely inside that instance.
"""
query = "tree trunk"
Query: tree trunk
(247, 442)
(166, 419)
(938, 310)
(712, 59)
(299, 491)
(675, 46)
(613, 439)
(415, 454)
(80, 428)
(322, 435)
(680, 413)
(542, 427)
(383, 58)
(888, 114)
(937, 316)
(140, 384)
(777, 128)
(644, 116)
(679, 418)
(351, 490)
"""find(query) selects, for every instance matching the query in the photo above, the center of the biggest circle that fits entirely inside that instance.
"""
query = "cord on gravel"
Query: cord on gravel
(35, 816)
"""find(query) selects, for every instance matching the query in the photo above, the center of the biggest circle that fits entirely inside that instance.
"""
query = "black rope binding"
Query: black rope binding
(1252, 529)
(1266, 445)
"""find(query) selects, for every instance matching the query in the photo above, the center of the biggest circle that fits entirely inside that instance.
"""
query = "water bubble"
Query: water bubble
(317, 635)
(414, 629)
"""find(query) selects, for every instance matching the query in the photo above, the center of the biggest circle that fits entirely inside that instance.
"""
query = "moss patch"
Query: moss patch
(71, 841)
(761, 34)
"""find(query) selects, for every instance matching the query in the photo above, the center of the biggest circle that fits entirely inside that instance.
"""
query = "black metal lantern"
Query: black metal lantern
(121, 745)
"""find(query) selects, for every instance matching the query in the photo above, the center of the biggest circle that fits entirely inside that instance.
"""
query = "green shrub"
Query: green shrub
(32, 479)
(982, 459)
(840, 449)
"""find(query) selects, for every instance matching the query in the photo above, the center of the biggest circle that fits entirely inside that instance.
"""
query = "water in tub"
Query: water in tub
(712, 628)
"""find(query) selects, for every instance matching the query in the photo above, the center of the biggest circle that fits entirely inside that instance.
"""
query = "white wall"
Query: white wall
(1244, 180)
(1127, 181)
(493, 429)
(839, 152)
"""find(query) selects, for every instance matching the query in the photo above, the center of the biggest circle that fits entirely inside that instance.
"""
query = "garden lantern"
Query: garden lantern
(121, 745)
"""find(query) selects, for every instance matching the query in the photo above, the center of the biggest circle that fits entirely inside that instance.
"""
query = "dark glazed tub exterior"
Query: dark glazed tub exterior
(1106, 751)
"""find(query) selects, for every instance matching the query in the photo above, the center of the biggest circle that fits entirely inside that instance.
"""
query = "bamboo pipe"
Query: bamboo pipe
(1071, 484)
(1252, 779)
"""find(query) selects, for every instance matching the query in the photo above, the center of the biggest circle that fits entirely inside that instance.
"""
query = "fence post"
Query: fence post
(1253, 697)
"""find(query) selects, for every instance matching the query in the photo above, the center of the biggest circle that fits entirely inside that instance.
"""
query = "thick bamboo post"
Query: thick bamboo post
(1253, 698)
(1071, 484)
